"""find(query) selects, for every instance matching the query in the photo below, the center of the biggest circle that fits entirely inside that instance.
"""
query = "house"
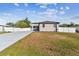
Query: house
(2, 28)
(45, 26)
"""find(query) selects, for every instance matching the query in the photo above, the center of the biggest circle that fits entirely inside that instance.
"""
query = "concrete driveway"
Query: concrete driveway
(8, 39)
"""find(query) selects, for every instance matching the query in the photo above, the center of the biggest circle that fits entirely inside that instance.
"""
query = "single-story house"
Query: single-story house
(45, 26)
(2, 28)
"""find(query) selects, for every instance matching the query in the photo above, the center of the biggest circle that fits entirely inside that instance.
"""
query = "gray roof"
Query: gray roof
(46, 22)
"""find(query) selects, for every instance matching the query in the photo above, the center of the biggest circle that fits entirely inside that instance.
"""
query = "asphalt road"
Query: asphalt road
(8, 39)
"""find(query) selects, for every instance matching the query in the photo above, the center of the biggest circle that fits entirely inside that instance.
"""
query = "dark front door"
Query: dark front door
(35, 28)
(56, 27)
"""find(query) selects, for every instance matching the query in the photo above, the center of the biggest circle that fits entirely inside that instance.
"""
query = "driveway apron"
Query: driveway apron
(8, 39)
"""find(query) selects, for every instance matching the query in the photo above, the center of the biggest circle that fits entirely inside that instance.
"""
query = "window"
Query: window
(43, 25)
(33, 26)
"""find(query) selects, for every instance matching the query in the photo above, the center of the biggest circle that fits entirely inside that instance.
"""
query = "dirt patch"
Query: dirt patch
(41, 41)
(56, 36)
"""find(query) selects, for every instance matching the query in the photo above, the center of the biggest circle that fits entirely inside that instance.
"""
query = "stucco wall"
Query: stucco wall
(48, 27)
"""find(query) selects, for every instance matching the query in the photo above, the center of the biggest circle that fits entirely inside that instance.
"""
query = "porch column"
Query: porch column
(31, 28)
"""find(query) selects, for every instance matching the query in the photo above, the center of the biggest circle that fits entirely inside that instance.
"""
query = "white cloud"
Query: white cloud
(67, 8)
(16, 4)
(6, 14)
(48, 13)
(19, 10)
(34, 11)
(42, 5)
(27, 11)
(62, 12)
(51, 11)
(2, 21)
(75, 17)
(61, 8)
(55, 4)
(25, 4)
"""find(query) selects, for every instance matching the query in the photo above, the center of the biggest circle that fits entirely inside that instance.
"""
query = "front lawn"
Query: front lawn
(45, 44)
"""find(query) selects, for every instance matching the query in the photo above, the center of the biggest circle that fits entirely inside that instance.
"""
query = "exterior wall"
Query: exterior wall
(67, 29)
(48, 27)
(52, 27)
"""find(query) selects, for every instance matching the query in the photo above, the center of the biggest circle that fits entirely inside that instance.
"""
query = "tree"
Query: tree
(68, 25)
(10, 24)
(23, 23)
(76, 25)
(64, 25)
(72, 24)
(27, 21)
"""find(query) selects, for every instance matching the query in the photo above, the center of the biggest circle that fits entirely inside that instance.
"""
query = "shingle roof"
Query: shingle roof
(46, 22)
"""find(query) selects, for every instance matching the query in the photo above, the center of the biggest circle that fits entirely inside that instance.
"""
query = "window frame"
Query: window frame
(43, 25)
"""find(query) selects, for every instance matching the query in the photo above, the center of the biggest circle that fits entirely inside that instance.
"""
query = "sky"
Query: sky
(35, 12)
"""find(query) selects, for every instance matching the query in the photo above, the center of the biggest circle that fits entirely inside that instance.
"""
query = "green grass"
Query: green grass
(45, 44)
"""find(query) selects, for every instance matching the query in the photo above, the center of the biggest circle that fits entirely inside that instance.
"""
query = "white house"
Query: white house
(41, 26)
(2, 28)
(45, 26)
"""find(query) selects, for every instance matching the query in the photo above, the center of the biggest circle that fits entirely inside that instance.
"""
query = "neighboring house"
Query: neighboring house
(45, 26)
(2, 28)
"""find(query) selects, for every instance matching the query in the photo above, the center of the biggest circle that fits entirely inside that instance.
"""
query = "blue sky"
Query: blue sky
(61, 12)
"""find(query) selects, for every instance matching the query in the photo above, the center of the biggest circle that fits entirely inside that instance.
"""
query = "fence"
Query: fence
(67, 29)
(60, 29)
(11, 29)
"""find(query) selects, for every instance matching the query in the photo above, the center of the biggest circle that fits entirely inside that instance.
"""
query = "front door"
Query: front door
(35, 28)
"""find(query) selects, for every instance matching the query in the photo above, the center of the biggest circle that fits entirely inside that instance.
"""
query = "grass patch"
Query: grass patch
(45, 44)
(3, 32)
